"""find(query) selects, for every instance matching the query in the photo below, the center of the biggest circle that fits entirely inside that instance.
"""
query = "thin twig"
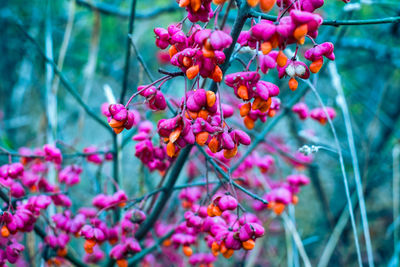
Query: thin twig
(336, 23)
(343, 170)
(128, 52)
(350, 138)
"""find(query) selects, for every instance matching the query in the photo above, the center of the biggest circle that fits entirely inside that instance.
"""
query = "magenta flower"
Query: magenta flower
(52, 154)
(301, 110)
(319, 114)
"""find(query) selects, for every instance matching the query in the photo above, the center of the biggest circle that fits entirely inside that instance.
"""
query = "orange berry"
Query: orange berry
(217, 74)
(210, 210)
(187, 62)
(266, 47)
(214, 247)
(252, 3)
(300, 33)
(228, 253)
(279, 208)
(265, 105)
(218, 2)
(211, 98)
(61, 252)
(316, 65)
(171, 150)
(57, 262)
(207, 44)
(167, 242)
(217, 211)
(207, 53)
(122, 204)
(293, 84)
(249, 244)
(267, 5)
(271, 112)
(118, 130)
(122, 263)
(4, 231)
(174, 135)
(274, 40)
(203, 114)
(213, 145)
(187, 250)
(281, 59)
(256, 103)
(172, 51)
(270, 205)
(245, 109)
(195, 4)
(243, 93)
(192, 72)
(230, 153)
(186, 204)
(88, 246)
(295, 199)
(184, 3)
(202, 137)
(248, 122)
(191, 115)
(116, 124)
(222, 247)
(113, 241)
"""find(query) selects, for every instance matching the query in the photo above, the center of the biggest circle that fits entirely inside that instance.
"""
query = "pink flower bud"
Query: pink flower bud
(227, 203)
(241, 137)
(227, 141)
(220, 40)
(118, 111)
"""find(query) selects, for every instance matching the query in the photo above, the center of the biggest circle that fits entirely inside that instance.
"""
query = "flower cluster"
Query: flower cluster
(155, 158)
(317, 114)
(120, 118)
(283, 193)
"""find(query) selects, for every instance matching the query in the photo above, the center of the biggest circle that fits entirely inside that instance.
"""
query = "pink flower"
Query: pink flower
(301, 110)
(92, 156)
(52, 154)
(319, 114)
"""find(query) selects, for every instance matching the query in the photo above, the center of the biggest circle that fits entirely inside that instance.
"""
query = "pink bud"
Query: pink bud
(130, 120)
(200, 97)
(227, 203)
(240, 136)
(220, 40)
(227, 141)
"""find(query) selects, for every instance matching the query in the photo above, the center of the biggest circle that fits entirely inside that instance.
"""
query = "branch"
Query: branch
(336, 23)
(135, 259)
(228, 178)
(63, 79)
(111, 10)
(128, 51)
(165, 194)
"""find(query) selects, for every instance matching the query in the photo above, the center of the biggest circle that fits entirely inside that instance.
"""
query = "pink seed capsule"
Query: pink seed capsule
(227, 203)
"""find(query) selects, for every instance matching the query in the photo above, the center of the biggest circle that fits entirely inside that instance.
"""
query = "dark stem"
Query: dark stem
(128, 52)
(165, 194)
